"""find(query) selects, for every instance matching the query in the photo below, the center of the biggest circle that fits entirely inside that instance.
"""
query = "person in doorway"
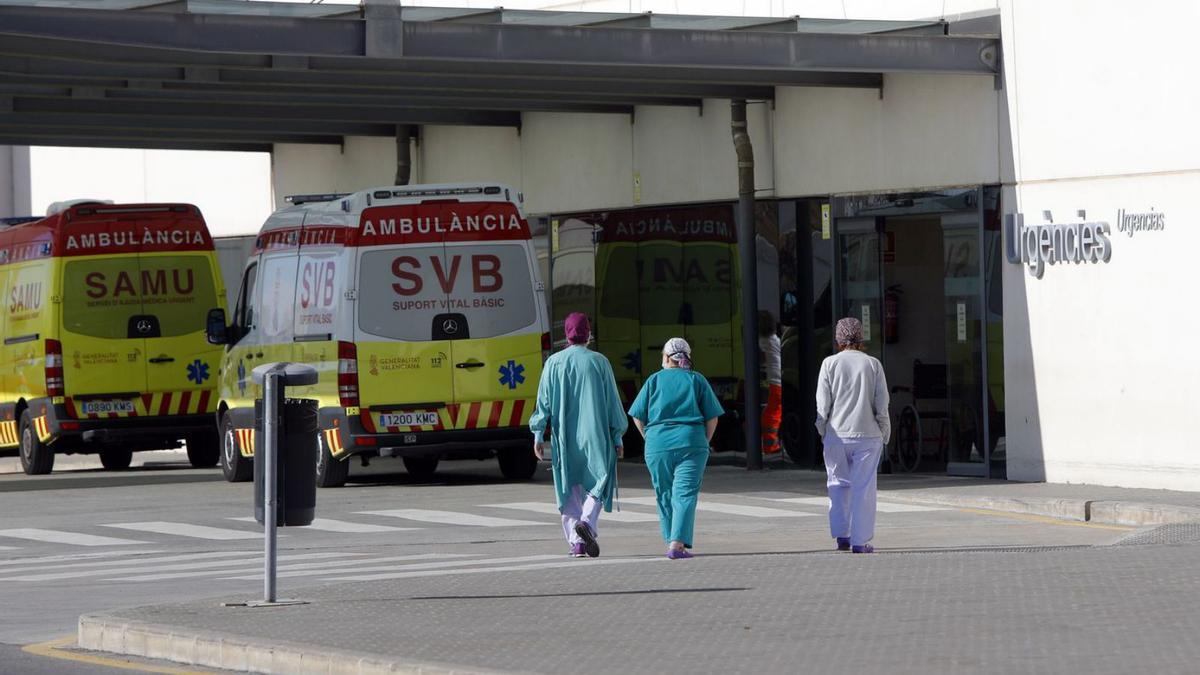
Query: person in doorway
(772, 379)
(852, 419)
(676, 412)
(577, 401)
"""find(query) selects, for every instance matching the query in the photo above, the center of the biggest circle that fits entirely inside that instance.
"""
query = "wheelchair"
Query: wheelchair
(930, 422)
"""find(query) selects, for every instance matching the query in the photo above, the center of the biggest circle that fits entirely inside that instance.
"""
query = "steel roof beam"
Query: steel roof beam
(511, 44)
(85, 122)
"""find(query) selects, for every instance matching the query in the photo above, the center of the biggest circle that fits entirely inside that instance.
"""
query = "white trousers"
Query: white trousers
(580, 507)
(850, 466)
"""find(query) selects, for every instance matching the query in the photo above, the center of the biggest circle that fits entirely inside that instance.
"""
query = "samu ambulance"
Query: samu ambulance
(420, 307)
(104, 334)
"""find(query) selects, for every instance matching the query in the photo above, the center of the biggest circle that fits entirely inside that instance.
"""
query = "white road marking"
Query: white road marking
(324, 567)
(208, 565)
(72, 557)
(451, 518)
(550, 509)
(733, 509)
(9, 548)
(141, 561)
(418, 566)
(881, 507)
(187, 530)
(503, 568)
(71, 538)
(344, 526)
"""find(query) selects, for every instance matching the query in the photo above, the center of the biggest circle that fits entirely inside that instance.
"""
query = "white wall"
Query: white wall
(313, 169)
(232, 189)
(926, 131)
(14, 181)
(1101, 386)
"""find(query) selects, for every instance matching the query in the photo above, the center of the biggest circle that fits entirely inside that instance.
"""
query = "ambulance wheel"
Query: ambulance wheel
(236, 469)
(204, 449)
(116, 459)
(421, 468)
(517, 463)
(331, 471)
(36, 457)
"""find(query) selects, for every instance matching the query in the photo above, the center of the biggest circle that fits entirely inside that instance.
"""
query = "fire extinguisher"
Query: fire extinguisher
(891, 314)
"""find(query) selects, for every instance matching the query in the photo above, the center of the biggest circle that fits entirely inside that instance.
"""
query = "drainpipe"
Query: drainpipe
(748, 261)
(403, 153)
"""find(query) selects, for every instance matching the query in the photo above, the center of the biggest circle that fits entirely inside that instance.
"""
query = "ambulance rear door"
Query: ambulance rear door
(497, 308)
(104, 324)
(179, 285)
(402, 327)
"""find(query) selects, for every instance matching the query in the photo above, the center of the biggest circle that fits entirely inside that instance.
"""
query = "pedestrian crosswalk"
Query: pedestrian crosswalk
(633, 511)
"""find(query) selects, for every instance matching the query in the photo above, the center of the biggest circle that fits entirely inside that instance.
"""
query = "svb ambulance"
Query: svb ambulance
(104, 334)
(420, 307)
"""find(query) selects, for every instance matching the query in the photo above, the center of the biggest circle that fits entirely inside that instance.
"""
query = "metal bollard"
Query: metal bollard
(274, 377)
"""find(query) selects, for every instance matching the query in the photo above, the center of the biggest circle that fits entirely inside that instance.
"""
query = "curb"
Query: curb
(194, 647)
(1102, 512)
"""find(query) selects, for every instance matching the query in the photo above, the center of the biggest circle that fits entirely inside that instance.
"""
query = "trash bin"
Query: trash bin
(296, 467)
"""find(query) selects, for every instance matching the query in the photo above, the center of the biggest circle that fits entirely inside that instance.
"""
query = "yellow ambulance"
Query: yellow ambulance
(104, 334)
(421, 308)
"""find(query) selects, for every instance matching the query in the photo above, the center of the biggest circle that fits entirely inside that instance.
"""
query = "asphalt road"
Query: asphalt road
(84, 540)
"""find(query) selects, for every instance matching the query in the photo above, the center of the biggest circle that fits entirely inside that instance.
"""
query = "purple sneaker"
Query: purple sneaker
(865, 548)
(679, 554)
(590, 546)
(843, 543)
(577, 550)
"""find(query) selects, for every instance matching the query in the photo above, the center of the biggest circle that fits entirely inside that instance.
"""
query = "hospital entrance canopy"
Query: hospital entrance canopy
(241, 75)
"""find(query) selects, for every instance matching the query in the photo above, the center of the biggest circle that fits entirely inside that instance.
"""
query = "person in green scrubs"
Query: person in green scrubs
(676, 412)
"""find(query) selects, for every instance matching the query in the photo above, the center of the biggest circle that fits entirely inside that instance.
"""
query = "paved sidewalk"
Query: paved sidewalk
(1102, 609)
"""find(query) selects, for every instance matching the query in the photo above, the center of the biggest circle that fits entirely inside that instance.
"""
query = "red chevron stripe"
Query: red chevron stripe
(494, 418)
(473, 416)
(204, 396)
(164, 406)
(71, 408)
(147, 401)
(517, 411)
(185, 397)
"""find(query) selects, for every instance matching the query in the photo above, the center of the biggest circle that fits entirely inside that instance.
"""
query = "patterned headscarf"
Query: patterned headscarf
(679, 351)
(849, 332)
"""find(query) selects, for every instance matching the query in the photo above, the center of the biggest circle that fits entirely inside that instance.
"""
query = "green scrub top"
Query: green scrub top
(673, 404)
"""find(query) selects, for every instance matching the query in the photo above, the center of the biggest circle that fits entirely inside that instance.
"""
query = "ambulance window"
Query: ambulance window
(244, 314)
(100, 295)
(494, 289)
(276, 310)
(400, 290)
(179, 290)
(319, 285)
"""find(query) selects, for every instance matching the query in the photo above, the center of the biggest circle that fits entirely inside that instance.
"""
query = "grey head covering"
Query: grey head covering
(849, 332)
(679, 351)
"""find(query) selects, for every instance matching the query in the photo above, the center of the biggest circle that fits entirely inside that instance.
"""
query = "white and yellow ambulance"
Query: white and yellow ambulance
(104, 334)
(421, 308)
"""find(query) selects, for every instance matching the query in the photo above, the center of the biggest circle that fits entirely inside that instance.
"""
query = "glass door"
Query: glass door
(860, 278)
(962, 283)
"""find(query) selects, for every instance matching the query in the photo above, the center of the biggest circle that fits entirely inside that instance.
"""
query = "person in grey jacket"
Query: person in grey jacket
(852, 419)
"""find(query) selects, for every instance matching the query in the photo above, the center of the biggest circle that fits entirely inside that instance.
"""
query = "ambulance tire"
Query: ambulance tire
(37, 458)
(236, 469)
(116, 459)
(331, 471)
(204, 449)
(517, 463)
(421, 468)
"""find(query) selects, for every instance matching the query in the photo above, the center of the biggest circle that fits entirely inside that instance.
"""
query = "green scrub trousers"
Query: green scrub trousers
(676, 474)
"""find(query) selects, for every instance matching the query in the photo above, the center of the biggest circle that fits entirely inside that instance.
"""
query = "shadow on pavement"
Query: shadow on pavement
(99, 478)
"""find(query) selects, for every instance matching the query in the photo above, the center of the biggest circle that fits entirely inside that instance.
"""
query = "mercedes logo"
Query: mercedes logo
(449, 326)
(144, 326)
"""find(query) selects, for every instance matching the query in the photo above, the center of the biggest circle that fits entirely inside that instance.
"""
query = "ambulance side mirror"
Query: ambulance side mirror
(215, 330)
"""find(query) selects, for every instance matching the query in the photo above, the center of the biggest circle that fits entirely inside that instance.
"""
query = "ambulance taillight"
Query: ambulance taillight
(547, 345)
(348, 374)
(54, 368)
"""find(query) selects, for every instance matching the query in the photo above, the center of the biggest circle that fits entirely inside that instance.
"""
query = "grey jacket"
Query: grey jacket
(852, 397)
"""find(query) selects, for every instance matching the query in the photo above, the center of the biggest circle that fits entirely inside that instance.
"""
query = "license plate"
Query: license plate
(409, 419)
(105, 407)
